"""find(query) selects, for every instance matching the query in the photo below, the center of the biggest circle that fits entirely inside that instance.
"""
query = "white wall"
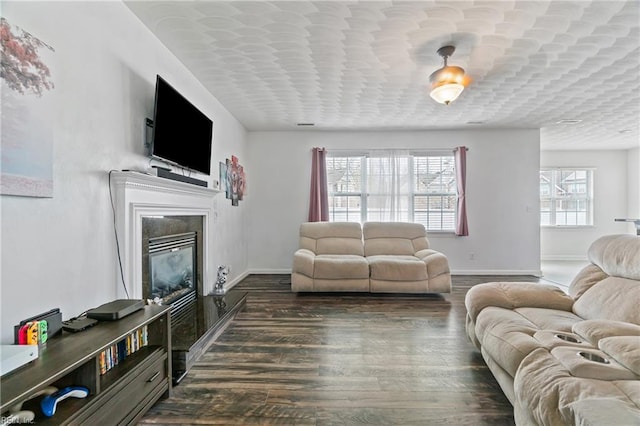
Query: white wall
(60, 252)
(633, 182)
(610, 202)
(502, 194)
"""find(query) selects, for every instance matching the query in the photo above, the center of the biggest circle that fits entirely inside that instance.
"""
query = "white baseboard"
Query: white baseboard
(269, 271)
(230, 284)
(572, 257)
(536, 273)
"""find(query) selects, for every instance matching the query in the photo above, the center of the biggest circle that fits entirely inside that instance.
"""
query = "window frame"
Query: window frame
(435, 194)
(347, 193)
(411, 197)
(589, 198)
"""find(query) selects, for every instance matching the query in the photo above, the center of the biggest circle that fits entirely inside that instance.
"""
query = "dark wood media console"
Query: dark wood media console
(119, 396)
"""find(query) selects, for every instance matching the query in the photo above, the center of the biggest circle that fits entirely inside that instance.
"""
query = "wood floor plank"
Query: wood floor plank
(409, 417)
(274, 381)
(402, 399)
(340, 359)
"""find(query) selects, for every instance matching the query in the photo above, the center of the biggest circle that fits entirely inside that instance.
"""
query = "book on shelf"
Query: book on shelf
(118, 352)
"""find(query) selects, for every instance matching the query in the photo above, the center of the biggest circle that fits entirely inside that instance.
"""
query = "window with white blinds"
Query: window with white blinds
(566, 197)
(393, 186)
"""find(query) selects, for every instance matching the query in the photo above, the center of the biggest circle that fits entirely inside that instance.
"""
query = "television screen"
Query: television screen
(181, 132)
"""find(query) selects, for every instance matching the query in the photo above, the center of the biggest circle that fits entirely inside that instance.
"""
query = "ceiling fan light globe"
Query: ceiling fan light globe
(446, 93)
(447, 74)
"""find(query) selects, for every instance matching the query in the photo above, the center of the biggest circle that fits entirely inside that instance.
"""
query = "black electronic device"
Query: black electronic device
(115, 310)
(53, 319)
(75, 325)
(181, 133)
(164, 173)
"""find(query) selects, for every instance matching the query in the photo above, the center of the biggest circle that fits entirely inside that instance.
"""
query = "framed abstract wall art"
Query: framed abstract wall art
(26, 142)
(233, 180)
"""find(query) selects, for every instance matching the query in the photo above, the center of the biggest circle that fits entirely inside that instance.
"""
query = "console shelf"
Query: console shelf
(119, 396)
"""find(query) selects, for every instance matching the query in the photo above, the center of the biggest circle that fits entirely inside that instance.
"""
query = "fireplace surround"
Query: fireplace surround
(149, 208)
(140, 197)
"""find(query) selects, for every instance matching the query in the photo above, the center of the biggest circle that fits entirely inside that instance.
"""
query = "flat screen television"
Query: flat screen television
(181, 132)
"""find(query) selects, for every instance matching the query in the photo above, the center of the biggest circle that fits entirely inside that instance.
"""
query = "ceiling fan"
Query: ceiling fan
(448, 82)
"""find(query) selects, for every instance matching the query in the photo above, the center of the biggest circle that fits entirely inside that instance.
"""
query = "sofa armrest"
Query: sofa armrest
(424, 253)
(512, 295)
(436, 262)
(624, 349)
(303, 262)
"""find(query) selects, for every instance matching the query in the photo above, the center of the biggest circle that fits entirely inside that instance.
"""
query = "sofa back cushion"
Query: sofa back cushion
(332, 238)
(589, 276)
(613, 298)
(393, 238)
(617, 255)
(611, 255)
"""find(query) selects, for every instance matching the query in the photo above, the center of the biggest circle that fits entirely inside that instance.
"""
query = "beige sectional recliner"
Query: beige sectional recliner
(378, 257)
(567, 358)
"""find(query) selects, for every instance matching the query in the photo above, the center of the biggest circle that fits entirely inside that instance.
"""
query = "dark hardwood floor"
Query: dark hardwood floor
(341, 359)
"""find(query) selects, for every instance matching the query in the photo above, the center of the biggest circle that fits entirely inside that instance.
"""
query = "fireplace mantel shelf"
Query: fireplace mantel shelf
(158, 184)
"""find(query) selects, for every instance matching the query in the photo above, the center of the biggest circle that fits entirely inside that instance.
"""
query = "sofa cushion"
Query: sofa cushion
(339, 245)
(511, 295)
(350, 285)
(386, 286)
(623, 349)
(612, 298)
(579, 366)
(631, 390)
(550, 339)
(393, 238)
(388, 246)
(318, 230)
(404, 230)
(332, 238)
(617, 255)
(594, 330)
(549, 319)
(589, 276)
(331, 266)
(397, 268)
(548, 394)
(604, 410)
(506, 336)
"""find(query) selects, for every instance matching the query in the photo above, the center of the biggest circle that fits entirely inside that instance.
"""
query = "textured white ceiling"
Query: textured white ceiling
(366, 65)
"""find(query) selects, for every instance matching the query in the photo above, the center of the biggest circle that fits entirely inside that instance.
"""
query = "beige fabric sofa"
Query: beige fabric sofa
(536, 340)
(330, 258)
(383, 257)
(400, 259)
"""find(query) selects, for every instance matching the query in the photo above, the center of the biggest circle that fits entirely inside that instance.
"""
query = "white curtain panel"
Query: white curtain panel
(388, 181)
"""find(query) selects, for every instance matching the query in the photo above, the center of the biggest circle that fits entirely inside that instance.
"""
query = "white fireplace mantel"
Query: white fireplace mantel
(137, 195)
